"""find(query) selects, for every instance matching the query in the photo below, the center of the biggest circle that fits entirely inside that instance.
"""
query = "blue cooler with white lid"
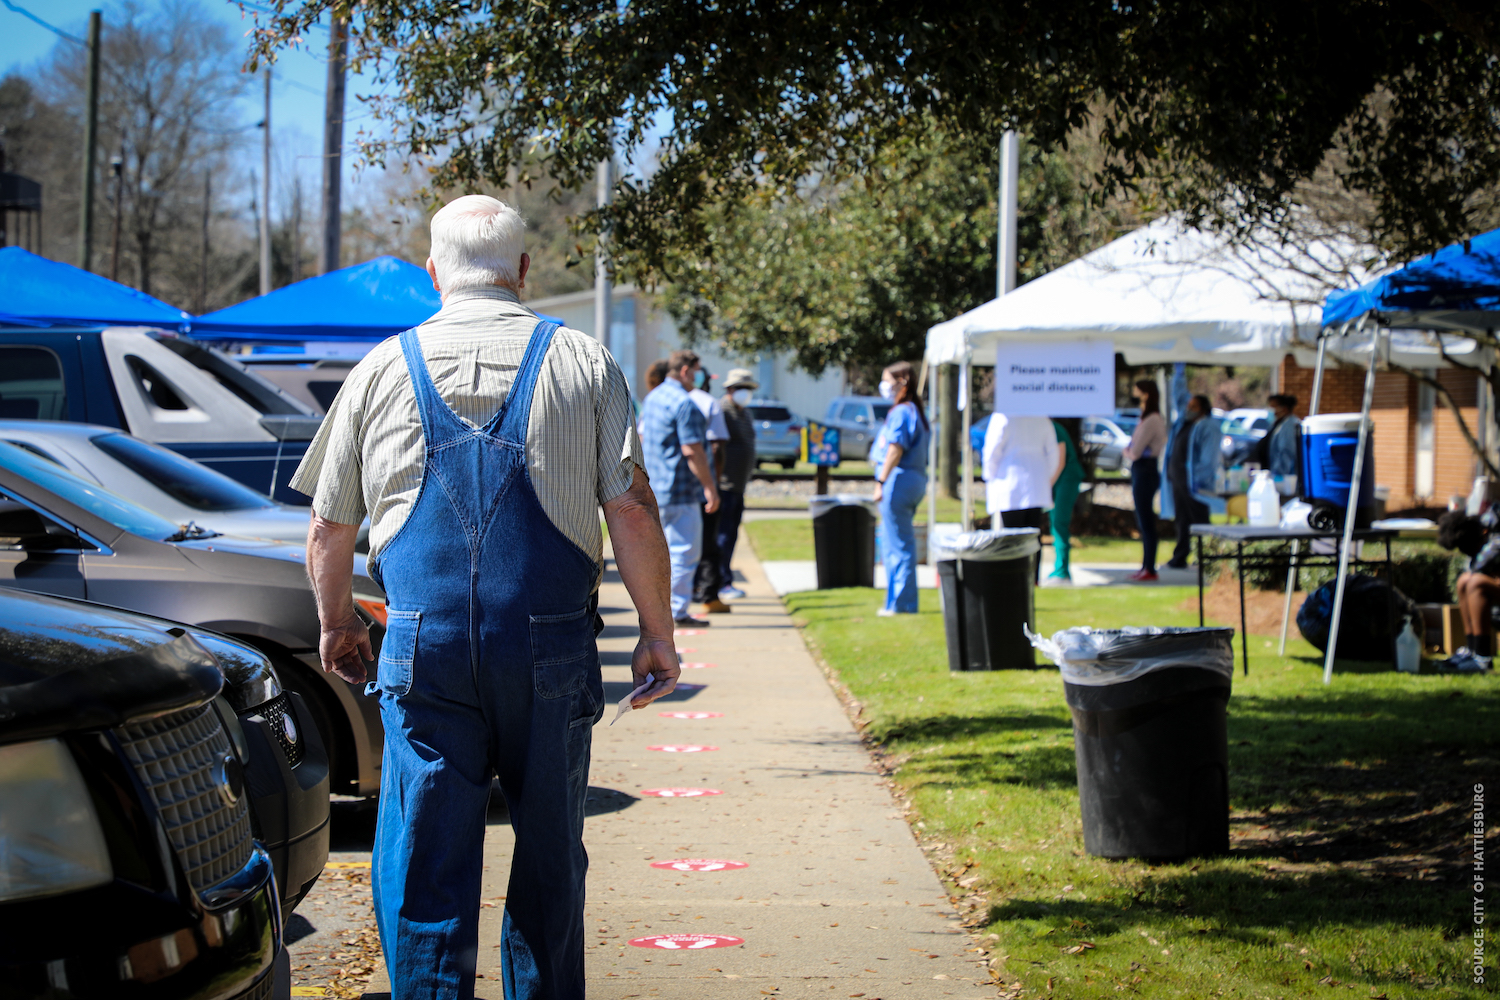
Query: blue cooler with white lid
(1329, 442)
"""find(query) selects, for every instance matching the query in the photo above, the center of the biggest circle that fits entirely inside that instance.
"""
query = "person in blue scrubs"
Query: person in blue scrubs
(900, 481)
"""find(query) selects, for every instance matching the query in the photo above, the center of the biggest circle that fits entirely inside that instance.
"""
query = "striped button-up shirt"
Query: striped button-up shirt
(581, 445)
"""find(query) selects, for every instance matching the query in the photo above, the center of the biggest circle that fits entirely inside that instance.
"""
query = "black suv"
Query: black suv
(163, 805)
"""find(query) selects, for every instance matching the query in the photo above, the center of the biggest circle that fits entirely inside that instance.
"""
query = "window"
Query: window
(31, 385)
(39, 453)
(182, 479)
(156, 388)
(770, 413)
(22, 528)
(93, 498)
(881, 411)
(854, 413)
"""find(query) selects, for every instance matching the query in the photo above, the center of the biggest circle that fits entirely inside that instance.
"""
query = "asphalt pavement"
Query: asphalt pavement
(741, 842)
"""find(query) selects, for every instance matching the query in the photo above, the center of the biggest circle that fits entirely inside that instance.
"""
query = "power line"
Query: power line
(55, 30)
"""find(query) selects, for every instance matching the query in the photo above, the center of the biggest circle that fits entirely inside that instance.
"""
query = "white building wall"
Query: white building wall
(654, 335)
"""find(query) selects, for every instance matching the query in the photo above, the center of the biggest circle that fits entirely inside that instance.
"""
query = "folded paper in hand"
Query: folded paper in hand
(624, 705)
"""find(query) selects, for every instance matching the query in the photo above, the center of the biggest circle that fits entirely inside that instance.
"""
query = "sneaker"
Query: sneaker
(731, 594)
(716, 607)
(1177, 565)
(886, 613)
(1465, 661)
(688, 621)
(1143, 576)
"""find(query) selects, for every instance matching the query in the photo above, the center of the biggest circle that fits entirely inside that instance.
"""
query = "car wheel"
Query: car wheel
(788, 463)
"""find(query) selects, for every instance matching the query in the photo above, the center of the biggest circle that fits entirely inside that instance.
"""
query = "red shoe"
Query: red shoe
(1144, 576)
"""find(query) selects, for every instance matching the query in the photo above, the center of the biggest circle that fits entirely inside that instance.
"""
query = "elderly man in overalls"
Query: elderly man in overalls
(481, 445)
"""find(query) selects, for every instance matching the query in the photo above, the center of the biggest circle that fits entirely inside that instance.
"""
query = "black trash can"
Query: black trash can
(986, 580)
(1149, 713)
(844, 540)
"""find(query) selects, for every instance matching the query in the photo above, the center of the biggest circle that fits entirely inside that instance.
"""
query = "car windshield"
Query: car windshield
(770, 413)
(91, 497)
(180, 478)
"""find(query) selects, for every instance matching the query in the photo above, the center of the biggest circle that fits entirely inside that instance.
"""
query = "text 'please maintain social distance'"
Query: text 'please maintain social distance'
(1035, 378)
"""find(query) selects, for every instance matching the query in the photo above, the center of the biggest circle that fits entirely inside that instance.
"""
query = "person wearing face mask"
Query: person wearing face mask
(706, 578)
(1193, 457)
(900, 482)
(739, 464)
(1145, 448)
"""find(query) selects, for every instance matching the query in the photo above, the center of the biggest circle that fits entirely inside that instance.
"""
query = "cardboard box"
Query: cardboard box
(1444, 628)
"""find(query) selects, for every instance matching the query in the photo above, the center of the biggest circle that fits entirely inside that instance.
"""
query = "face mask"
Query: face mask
(740, 396)
(888, 391)
(700, 378)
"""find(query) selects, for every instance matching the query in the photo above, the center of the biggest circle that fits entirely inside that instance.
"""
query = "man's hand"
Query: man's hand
(879, 491)
(345, 647)
(657, 657)
(710, 499)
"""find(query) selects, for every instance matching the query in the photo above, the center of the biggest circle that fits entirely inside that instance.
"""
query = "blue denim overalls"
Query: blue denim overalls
(488, 666)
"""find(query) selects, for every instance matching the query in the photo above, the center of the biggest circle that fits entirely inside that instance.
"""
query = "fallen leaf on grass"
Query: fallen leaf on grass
(1080, 946)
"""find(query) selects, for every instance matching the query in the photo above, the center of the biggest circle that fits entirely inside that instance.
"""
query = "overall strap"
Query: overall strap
(511, 422)
(430, 405)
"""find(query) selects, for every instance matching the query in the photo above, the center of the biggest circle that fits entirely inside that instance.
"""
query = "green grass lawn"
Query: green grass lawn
(792, 538)
(1350, 814)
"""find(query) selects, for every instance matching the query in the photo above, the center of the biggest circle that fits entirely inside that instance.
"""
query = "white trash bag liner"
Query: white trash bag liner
(987, 546)
(824, 502)
(1097, 657)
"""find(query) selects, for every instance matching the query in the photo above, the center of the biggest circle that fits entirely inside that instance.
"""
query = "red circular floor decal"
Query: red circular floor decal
(682, 748)
(698, 666)
(687, 631)
(680, 793)
(686, 649)
(699, 865)
(687, 942)
(691, 715)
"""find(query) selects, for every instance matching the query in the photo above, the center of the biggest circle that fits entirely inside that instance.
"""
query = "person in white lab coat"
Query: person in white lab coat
(1021, 462)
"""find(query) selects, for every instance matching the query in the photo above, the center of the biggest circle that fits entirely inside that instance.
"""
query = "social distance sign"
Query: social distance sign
(1073, 378)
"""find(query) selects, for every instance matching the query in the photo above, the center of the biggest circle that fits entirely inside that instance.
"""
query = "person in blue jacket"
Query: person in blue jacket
(900, 482)
(1193, 457)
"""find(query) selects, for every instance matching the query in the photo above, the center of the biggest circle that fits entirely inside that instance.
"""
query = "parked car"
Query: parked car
(162, 388)
(778, 433)
(1107, 440)
(1127, 417)
(163, 481)
(1243, 430)
(61, 534)
(314, 381)
(858, 419)
(161, 793)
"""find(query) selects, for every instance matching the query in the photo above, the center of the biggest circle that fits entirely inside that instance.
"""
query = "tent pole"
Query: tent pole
(931, 468)
(967, 405)
(1291, 570)
(1354, 498)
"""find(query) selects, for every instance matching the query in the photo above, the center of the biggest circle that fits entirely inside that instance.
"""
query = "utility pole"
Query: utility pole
(603, 287)
(90, 137)
(203, 253)
(1005, 250)
(265, 194)
(296, 229)
(333, 144)
(117, 171)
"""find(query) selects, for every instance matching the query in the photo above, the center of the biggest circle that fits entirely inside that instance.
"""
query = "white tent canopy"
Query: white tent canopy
(1165, 292)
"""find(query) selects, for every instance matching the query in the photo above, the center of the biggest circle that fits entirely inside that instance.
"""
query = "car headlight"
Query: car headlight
(250, 680)
(50, 838)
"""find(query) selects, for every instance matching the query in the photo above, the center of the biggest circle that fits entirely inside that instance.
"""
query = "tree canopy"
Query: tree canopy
(1222, 107)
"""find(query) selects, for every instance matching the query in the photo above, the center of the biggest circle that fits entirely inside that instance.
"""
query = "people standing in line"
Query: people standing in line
(673, 432)
(1193, 458)
(739, 465)
(1064, 497)
(1146, 446)
(1281, 449)
(706, 578)
(900, 482)
(482, 444)
(654, 376)
(1022, 460)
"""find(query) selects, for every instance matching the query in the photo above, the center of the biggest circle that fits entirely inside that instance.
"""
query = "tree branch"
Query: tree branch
(1442, 390)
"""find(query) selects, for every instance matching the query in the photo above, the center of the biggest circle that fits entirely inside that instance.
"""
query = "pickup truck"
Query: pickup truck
(163, 388)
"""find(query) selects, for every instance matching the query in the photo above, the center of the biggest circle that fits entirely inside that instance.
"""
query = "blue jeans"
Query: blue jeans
(898, 505)
(1145, 480)
(731, 510)
(682, 523)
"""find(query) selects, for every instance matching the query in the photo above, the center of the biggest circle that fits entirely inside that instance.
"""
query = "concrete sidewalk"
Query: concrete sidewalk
(835, 899)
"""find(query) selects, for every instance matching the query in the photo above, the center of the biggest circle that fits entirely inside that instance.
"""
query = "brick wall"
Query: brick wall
(1453, 460)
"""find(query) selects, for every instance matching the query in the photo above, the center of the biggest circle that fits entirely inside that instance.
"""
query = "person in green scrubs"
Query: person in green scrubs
(1064, 496)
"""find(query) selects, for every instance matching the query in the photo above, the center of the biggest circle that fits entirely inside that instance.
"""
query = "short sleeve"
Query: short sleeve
(901, 426)
(332, 471)
(618, 440)
(718, 430)
(691, 427)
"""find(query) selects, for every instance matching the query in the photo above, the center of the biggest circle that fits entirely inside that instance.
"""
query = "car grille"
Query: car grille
(177, 758)
(276, 710)
(261, 990)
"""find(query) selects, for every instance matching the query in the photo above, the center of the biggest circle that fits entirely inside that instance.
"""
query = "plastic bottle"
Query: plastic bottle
(1263, 503)
(1408, 650)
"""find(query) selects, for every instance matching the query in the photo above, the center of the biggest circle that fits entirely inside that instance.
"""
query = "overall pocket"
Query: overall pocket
(397, 651)
(563, 653)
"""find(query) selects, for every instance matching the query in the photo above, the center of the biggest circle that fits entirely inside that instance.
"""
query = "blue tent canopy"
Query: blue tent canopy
(369, 301)
(1456, 288)
(35, 291)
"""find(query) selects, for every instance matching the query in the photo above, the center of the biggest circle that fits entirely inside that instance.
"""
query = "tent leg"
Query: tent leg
(1354, 498)
(1317, 393)
(1291, 582)
(967, 405)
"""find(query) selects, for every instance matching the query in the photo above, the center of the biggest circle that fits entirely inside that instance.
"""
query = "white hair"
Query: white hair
(477, 241)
